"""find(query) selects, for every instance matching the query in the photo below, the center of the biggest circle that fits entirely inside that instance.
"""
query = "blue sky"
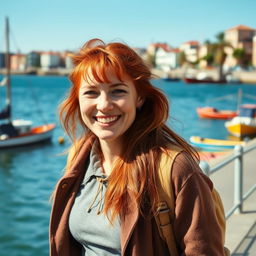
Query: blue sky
(66, 25)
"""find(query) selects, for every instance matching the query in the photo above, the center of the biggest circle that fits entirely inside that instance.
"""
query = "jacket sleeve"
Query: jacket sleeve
(195, 226)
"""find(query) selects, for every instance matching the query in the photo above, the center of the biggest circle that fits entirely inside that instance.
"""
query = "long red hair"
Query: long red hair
(137, 166)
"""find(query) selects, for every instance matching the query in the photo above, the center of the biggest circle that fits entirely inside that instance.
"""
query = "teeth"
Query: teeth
(106, 120)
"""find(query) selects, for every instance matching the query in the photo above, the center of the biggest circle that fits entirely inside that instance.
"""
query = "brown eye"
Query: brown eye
(90, 93)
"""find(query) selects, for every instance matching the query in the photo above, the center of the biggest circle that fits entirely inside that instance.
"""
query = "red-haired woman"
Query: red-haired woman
(106, 201)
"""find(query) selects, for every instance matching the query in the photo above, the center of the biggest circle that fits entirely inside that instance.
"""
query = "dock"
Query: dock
(241, 227)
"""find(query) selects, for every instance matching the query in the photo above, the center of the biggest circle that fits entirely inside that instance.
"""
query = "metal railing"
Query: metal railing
(237, 157)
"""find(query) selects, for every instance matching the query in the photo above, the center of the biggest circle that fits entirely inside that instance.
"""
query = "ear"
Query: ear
(140, 102)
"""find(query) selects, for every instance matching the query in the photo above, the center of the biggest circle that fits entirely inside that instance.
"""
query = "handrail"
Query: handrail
(237, 157)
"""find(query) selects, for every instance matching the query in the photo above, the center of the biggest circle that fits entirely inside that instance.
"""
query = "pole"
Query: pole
(7, 63)
(238, 179)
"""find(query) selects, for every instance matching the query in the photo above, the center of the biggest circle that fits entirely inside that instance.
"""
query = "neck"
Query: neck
(110, 151)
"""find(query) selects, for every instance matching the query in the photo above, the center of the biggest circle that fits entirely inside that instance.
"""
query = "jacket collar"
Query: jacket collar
(81, 158)
(129, 220)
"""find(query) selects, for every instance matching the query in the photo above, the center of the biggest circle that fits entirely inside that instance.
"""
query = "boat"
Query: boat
(191, 80)
(214, 144)
(214, 113)
(211, 112)
(202, 77)
(14, 133)
(166, 77)
(171, 79)
(245, 123)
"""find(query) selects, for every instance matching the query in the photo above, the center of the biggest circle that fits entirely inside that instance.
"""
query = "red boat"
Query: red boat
(202, 81)
(213, 113)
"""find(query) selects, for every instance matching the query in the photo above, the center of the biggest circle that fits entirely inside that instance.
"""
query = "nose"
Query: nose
(104, 103)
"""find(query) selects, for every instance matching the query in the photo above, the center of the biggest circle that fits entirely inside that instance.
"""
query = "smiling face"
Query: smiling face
(108, 109)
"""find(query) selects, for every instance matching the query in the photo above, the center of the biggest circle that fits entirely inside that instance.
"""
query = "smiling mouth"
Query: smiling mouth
(107, 119)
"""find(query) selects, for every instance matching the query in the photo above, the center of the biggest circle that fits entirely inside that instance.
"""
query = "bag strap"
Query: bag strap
(166, 205)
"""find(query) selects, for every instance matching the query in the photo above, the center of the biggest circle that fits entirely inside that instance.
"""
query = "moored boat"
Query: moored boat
(20, 132)
(245, 123)
(213, 113)
(191, 80)
(214, 144)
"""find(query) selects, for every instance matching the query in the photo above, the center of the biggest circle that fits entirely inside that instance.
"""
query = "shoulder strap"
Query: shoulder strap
(166, 205)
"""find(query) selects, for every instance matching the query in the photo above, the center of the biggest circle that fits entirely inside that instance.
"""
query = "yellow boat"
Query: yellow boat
(214, 144)
(245, 123)
(240, 130)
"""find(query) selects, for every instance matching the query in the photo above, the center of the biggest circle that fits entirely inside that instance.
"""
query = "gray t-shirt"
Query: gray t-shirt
(91, 229)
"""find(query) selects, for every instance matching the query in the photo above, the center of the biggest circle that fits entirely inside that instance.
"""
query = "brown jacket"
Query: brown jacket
(195, 226)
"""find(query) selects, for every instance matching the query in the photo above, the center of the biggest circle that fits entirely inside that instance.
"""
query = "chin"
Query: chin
(107, 137)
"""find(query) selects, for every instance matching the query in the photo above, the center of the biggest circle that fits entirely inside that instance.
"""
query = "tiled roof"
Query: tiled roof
(192, 42)
(241, 27)
(164, 46)
(176, 50)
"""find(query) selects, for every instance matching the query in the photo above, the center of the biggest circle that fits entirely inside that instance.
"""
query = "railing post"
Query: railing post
(205, 167)
(238, 178)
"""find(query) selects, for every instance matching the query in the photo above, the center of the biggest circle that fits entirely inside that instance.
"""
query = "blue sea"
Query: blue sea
(28, 174)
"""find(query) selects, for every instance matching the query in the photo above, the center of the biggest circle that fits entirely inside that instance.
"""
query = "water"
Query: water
(28, 175)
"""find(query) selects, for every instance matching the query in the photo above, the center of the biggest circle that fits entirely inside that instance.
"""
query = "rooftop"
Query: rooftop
(242, 27)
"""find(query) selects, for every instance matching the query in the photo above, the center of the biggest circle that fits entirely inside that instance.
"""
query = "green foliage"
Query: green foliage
(239, 53)
(182, 59)
(151, 60)
(220, 37)
(209, 58)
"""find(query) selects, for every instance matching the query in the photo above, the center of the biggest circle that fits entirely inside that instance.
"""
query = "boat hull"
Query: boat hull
(214, 144)
(212, 113)
(202, 81)
(36, 135)
(240, 130)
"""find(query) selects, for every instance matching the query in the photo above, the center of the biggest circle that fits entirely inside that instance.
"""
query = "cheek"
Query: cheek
(84, 108)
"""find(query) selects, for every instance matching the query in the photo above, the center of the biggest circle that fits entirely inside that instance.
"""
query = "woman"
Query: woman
(106, 201)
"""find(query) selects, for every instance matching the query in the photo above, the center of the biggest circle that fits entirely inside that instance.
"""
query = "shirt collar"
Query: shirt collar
(94, 168)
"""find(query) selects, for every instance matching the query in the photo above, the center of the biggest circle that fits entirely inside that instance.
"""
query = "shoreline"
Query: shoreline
(244, 77)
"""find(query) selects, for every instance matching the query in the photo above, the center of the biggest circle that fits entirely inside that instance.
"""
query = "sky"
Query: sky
(59, 25)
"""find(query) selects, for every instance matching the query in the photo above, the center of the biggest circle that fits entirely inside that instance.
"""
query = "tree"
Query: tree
(209, 58)
(182, 58)
(239, 54)
(219, 52)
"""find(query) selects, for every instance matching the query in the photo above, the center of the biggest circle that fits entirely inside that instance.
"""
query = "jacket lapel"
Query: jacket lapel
(128, 222)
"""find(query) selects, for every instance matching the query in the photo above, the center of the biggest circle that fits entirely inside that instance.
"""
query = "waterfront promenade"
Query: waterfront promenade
(241, 228)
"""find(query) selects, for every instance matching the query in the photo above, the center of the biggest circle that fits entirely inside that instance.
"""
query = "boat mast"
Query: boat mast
(239, 99)
(7, 63)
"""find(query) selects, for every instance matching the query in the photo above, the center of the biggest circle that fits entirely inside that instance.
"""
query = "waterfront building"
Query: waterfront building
(254, 51)
(151, 52)
(167, 58)
(33, 59)
(203, 51)
(68, 60)
(49, 60)
(152, 48)
(239, 37)
(18, 62)
(2, 60)
(190, 50)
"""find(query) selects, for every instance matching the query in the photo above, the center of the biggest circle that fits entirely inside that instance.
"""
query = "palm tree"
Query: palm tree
(219, 53)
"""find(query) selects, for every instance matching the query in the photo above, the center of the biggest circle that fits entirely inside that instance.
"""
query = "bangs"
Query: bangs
(97, 66)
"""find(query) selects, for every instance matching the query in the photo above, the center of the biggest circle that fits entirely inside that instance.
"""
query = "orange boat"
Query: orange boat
(213, 113)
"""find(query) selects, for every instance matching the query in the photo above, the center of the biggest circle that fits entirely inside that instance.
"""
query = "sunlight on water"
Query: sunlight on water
(28, 175)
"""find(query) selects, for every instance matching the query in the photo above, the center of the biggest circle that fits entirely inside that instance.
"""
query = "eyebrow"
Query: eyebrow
(111, 85)
(117, 84)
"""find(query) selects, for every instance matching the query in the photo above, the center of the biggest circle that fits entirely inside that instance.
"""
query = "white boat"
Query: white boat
(20, 132)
